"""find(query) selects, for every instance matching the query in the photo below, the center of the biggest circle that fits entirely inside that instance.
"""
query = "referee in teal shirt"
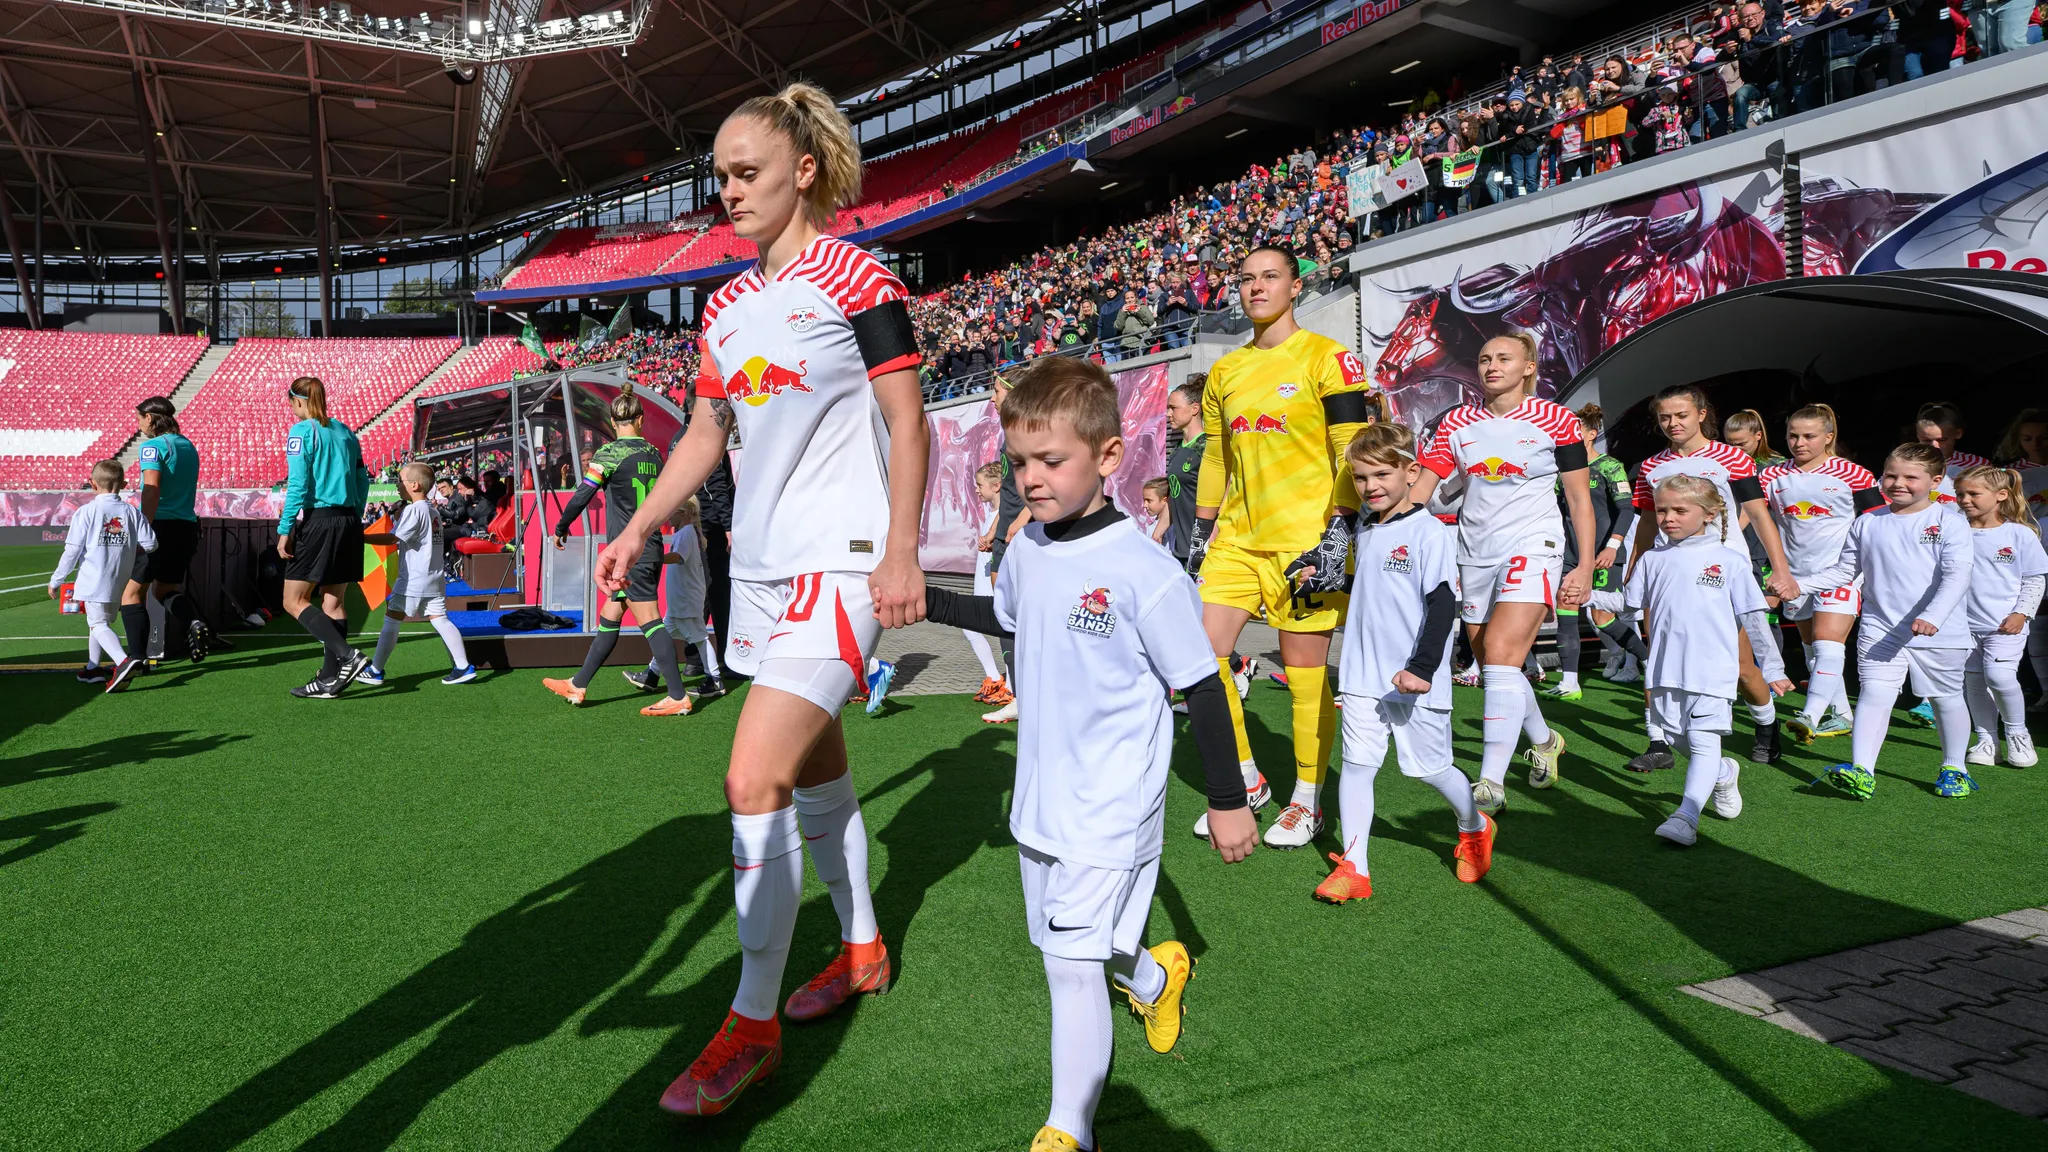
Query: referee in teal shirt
(320, 534)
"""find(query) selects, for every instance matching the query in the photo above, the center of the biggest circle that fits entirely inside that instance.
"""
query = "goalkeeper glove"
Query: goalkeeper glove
(1328, 559)
(1198, 546)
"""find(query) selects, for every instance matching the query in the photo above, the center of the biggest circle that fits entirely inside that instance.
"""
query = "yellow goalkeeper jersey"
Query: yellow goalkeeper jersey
(1278, 420)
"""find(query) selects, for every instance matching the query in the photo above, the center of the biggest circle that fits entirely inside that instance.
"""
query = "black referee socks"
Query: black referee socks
(135, 620)
(320, 626)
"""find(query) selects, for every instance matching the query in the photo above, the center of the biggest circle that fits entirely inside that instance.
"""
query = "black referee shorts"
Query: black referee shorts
(644, 584)
(327, 547)
(177, 541)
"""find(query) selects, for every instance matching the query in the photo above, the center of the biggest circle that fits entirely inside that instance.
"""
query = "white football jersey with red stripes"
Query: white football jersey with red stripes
(1814, 509)
(788, 355)
(1716, 462)
(1509, 464)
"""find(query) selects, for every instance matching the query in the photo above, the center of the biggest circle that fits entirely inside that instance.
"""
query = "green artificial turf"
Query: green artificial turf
(474, 918)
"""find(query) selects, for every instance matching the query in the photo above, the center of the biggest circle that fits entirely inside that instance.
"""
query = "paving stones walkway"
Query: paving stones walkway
(1965, 1006)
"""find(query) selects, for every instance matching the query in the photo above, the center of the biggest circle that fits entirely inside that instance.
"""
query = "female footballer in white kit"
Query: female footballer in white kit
(1815, 498)
(810, 355)
(1515, 453)
(1696, 595)
(1915, 557)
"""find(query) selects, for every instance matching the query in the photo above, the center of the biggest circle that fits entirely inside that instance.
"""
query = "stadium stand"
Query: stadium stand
(67, 399)
(590, 255)
(238, 419)
(492, 361)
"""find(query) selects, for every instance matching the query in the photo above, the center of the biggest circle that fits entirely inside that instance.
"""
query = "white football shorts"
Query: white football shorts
(1530, 579)
(1080, 912)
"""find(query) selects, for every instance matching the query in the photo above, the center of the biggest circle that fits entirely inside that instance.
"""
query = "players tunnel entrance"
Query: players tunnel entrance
(1875, 347)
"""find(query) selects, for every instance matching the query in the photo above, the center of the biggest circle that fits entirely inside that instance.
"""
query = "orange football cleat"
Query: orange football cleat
(858, 968)
(1475, 851)
(668, 706)
(566, 689)
(1344, 882)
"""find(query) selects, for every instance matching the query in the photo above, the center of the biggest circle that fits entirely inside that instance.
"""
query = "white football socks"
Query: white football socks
(1140, 972)
(838, 840)
(1702, 772)
(1532, 716)
(767, 885)
(1765, 713)
(990, 670)
(452, 637)
(1952, 727)
(1354, 808)
(1309, 796)
(1996, 701)
(100, 638)
(1873, 722)
(1824, 683)
(1081, 1044)
(1506, 702)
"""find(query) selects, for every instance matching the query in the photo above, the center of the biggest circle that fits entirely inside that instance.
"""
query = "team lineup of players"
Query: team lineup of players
(1308, 509)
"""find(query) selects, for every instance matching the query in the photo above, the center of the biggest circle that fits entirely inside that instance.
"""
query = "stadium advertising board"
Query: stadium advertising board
(1152, 119)
(967, 436)
(1360, 17)
(1962, 192)
(1578, 284)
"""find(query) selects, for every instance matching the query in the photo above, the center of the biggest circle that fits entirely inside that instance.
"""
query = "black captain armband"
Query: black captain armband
(1572, 457)
(1868, 498)
(1349, 408)
(885, 338)
(1746, 489)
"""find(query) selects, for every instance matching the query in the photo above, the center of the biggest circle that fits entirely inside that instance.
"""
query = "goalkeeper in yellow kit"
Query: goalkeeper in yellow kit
(1274, 516)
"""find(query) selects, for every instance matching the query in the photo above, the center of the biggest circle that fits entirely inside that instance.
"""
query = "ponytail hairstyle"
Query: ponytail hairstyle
(625, 406)
(1701, 492)
(1942, 413)
(1823, 415)
(2009, 449)
(1927, 456)
(806, 116)
(314, 393)
(1750, 420)
(1592, 417)
(1993, 478)
(1710, 423)
(158, 417)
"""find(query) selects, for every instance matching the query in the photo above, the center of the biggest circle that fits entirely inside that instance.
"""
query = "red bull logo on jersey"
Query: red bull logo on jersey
(114, 532)
(1398, 561)
(1259, 423)
(1092, 613)
(1711, 576)
(803, 319)
(743, 645)
(2004, 555)
(1287, 391)
(1807, 510)
(1495, 469)
(1932, 533)
(760, 380)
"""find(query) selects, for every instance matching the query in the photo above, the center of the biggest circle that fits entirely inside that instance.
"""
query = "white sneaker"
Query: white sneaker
(1007, 714)
(1629, 673)
(1679, 831)
(1295, 827)
(2019, 749)
(1255, 798)
(1489, 797)
(1612, 664)
(1243, 677)
(1728, 798)
(1983, 750)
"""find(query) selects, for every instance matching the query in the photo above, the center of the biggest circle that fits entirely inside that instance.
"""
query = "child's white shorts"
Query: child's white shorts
(417, 605)
(1997, 648)
(1934, 672)
(1675, 710)
(1081, 912)
(1421, 736)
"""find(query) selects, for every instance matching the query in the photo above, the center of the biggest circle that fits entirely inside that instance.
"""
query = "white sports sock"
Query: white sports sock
(1458, 790)
(155, 607)
(1650, 728)
(1532, 716)
(1806, 649)
(100, 638)
(2003, 683)
(767, 885)
(1952, 726)
(387, 639)
(979, 643)
(1505, 702)
(707, 654)
(838, 839)
(1568, 681)
(1139, 972)
(452, 637)
(1825, 684)
(1983, 710)
(1702, 772)
(1249, 769)
(1873, 722)
(1354, 809)
(1307, 795)
(1765, 713)
(1081, 1044)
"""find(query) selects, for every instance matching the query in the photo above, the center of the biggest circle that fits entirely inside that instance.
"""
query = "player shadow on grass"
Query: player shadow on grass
(1747, 911)
(141, 748)
(1125, 1120)
(515, 979)
(39, 832)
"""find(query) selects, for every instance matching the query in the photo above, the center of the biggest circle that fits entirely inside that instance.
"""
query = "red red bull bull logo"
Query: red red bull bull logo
(1712, 577)
(1807, 510)
(1932, 533)
(1495, 469)
(1260, 423)
(1092, 613)
(760, 380)
(2005, 555)
(1398, 561)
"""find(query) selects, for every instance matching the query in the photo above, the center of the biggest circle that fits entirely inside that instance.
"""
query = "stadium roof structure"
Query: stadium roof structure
(148, 126)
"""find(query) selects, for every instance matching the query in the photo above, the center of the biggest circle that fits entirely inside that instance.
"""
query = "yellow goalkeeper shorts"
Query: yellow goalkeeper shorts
(1241, 578)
